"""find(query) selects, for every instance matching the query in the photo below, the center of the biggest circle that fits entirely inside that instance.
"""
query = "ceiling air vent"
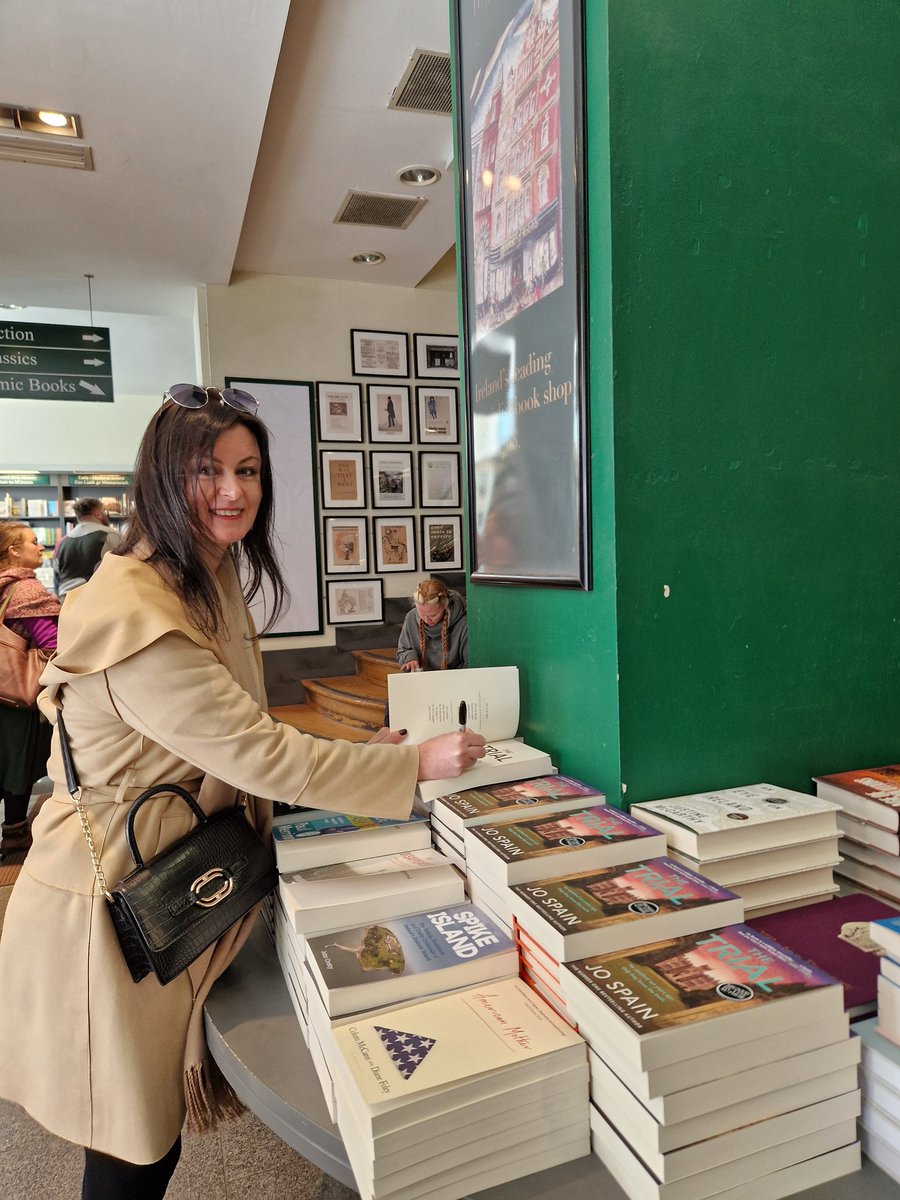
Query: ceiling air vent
(425, 86)
(373, 208)
(49, 152)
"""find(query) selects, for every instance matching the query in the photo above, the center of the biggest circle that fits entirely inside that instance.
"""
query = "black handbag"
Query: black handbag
(170, 909)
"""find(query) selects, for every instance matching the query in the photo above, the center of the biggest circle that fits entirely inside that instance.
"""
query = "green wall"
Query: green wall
(744, 240)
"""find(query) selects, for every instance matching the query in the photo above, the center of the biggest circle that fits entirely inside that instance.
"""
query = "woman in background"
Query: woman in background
(435, 636)
(32, 613)
(159, 674)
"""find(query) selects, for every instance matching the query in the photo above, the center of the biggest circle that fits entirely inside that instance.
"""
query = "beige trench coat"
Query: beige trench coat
(94, 1057)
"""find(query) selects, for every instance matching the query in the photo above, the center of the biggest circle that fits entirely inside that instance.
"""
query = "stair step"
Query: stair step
(351, 698)
(376, 664)
(308, 720)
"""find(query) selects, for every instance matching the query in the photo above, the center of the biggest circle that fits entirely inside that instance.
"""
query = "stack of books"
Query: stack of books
(835, 936)
(870, 825)
(719, 1061)
(453, 813)
(880, 1086)
(459, 1093)
(485, 700)
(775, 847)
(545, 844)
(885, 933)
(315, 838)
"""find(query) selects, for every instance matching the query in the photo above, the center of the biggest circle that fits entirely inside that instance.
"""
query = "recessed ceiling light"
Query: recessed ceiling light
(57, 120)
(419, 176)
(12, 307)
(371, 256)
(46, 121)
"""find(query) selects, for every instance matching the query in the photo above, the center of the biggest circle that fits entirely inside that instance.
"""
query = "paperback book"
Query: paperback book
(319, 839)
(321, 898)
(547, 793)
(739, 820)
(834, 935)
(865, 833)
(695, 994)
(871, 794)
(873, 879)
(738, 869)
(396, 960)
(534, 847)
(616, 908)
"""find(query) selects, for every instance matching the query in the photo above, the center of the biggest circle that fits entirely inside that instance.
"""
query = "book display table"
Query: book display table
(254, 1039)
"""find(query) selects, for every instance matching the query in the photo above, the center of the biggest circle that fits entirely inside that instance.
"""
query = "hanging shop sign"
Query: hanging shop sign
(55, 362)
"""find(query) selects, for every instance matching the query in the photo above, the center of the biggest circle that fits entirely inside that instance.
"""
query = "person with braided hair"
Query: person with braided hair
(435, 636)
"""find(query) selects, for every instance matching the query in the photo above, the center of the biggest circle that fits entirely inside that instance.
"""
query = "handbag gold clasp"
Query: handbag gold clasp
(211, 899)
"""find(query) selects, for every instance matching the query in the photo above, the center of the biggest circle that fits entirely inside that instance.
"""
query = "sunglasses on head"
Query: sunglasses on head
(191, 395)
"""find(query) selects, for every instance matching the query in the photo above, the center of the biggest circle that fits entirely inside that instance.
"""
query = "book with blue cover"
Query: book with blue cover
(320, 838)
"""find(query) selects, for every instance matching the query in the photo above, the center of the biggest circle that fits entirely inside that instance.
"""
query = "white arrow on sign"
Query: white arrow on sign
(91, 337)
(93, 362)
(91, 387)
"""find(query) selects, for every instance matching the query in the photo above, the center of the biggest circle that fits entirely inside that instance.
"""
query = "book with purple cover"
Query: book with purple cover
(834, 936)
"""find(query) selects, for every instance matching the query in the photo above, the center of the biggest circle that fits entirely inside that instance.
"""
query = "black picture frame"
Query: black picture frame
(339, 410)
(354, 601)
(520, 150)
(437, 412)
(439, 479)
(391, 479)
(390, 418)
(381, 352)
(437, 355)
(441, 542)
(394, 541)
(346, 540)
(343, 478)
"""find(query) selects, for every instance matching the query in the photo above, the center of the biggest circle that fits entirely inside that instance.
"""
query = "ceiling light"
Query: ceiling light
(371, 256)
(419, 176)
(57, 120)
(12, 307)
(45, 121)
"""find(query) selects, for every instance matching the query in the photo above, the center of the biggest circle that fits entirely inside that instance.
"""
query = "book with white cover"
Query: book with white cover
(449, 851)
(662, 1088)
(889, 863)
(447, 836)
(316, 839)
(546, 793)
(674, 1149)
(764, 910)
(872, 793)
(404, 957)
(427, 703)
(321, 898)
(750, 1079)
(880, 1056)
(881, 1150)
(739, 820)
(766, 1174)
(432, 1050)
(763, 864)
(694, 994)
(494, 901)
(867, 834)
(794, 886)
(872, 879)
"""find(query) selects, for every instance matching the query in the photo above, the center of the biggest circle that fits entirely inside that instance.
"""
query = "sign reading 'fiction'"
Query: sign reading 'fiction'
(55, 362)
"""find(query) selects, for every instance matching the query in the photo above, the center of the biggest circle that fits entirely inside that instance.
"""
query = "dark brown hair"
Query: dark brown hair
(164, 520)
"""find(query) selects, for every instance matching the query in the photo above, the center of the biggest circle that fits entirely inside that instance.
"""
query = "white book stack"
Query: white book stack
(870, 826)
(880, 1083)
(290, 949)
(721, 1065)
(458, 1093)
(775, 847)
(316, 838)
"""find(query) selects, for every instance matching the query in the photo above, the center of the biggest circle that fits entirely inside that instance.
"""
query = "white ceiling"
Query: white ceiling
(225, 136)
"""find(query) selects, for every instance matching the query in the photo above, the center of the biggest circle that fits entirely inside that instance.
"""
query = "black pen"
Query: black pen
(463, 716)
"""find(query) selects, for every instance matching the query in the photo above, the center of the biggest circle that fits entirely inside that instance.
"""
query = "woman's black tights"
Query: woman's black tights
(108, 1178)
(15, 808)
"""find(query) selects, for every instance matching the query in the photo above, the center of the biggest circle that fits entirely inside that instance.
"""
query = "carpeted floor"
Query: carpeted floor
(243, 1158)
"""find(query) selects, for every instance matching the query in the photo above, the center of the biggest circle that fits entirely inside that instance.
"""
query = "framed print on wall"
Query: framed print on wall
(437, 355)
(343, 485)
(340, 412)
(389, 416)
(438, 479)
(379, 352)
(438, 409)
(520, 91)
(395, 544)
(346, 546)
(441, 543)
(392, 485)
(354, 601)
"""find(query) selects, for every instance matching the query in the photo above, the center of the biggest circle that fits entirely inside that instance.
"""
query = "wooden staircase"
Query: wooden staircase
(345, 706)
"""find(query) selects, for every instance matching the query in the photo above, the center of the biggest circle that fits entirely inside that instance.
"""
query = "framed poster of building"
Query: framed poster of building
(520, 147)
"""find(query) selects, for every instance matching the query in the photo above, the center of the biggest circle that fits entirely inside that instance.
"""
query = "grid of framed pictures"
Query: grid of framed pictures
(388, 444)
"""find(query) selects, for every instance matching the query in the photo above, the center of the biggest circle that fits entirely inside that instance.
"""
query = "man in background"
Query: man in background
(78, 555)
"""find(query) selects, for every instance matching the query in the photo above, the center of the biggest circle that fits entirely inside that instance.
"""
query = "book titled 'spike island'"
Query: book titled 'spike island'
(695, 994)
(317, 839)
(872, 794)
(508, 801)
(739, 820)
(616, 908)
(536, 847)
(405, 957)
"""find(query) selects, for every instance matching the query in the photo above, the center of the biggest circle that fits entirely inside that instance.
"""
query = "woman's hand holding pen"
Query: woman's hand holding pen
(449, 754)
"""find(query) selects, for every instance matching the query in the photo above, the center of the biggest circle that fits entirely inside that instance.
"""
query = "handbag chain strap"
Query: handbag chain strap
(74, 788)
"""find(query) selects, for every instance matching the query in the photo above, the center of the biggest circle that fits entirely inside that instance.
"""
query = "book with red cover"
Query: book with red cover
(834, 936)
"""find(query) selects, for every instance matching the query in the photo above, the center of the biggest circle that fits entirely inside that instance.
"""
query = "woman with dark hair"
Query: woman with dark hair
(159, 674)
(24, 735)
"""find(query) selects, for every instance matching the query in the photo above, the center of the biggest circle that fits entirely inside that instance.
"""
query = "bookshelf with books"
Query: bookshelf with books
(45, 499)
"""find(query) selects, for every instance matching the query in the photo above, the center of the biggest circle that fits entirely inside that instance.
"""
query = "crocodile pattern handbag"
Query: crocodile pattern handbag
(172, 907)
